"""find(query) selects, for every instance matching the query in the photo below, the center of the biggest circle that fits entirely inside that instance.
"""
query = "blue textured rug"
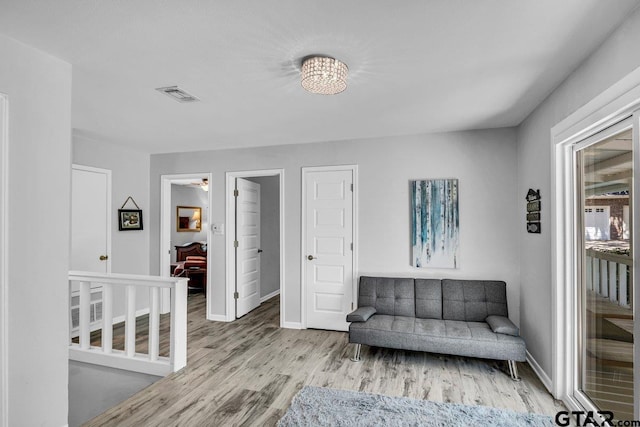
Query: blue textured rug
(317, 406)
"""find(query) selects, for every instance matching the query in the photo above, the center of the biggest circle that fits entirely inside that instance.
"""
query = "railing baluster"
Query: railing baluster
(589, 272)
(154, 323)
(130, 322)
(107, 317)
(70, 316)
(85, 316)
(178, 347)
(613, 282)
(596, 275)
(604, 285)
(630, 288)
(623, 285)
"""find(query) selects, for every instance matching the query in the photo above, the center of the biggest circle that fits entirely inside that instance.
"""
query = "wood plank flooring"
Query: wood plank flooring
(602, 307)
(624, 324)
(246, 373)
(610, 389)
(609, 367)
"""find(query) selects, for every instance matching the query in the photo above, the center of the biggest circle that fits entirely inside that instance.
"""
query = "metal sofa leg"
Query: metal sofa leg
(513, 370)
(356, 354)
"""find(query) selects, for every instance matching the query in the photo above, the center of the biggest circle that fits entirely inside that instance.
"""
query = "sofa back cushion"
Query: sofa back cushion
(429, 298)
(388, 295)
(473, 300)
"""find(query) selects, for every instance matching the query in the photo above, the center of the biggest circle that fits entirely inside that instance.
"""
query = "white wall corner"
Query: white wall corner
(546, 380)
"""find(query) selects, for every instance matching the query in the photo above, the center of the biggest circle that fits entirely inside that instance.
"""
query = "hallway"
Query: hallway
(246, 373)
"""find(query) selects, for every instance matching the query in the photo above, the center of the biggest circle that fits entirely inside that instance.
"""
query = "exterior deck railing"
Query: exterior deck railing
(82, 283)
(609, 275)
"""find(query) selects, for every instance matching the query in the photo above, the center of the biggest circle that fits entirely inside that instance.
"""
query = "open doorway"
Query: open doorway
(255, 241)
(186, 233)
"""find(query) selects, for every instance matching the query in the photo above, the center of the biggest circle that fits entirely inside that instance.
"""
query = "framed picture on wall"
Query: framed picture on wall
(435, 222)
(129, 219)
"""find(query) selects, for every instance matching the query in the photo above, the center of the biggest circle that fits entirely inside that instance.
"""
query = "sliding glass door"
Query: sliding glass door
(604, 320)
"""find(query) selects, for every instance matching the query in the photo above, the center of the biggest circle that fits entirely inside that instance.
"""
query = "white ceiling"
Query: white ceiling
(414, 65)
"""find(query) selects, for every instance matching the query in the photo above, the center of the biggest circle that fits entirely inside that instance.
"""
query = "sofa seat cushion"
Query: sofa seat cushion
(474, 339)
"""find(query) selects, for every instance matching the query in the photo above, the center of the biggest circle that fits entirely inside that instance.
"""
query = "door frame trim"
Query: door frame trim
(577, 219)
(611, 106)
(303, 234)
(165, 235)
(109, 175)
(230, 270)
(4, 260)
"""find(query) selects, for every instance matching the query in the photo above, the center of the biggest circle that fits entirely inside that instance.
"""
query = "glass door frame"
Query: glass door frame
(616, 103)
(579, 301)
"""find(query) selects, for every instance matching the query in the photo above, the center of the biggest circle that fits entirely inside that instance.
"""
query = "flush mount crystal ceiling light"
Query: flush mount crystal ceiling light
(324, 75)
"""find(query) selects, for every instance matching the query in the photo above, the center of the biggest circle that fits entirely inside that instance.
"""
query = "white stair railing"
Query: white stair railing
(608, 276)
(150, 363)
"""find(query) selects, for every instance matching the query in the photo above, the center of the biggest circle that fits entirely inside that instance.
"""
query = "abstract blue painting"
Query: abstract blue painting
(435, 222)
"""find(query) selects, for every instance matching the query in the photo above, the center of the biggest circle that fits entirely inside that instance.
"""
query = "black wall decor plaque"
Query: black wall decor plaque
(533, 227)
(533, 216)
(534, 206)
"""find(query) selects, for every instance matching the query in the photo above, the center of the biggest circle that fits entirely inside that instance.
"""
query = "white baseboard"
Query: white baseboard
(118, 360)
(269, 296)
(291, 325)
(539, 372)
(218, 318)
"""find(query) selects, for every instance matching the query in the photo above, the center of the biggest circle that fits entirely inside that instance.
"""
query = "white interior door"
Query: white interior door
(248, 244)
(90, 219)
(328, 248)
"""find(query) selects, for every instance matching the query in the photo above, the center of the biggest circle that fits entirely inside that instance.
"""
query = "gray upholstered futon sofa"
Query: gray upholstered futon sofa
(458, 317)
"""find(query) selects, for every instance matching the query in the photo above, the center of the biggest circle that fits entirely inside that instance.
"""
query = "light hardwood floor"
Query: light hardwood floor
(246, 373)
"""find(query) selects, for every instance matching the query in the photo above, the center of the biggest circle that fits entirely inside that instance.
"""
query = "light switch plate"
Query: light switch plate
(217, 228)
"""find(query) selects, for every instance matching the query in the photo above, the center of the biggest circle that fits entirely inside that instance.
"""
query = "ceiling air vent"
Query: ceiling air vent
(178, 94)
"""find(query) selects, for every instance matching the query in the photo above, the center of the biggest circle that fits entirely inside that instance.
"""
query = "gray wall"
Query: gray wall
(39, 91)
(269, 233)
(182, 195)
(611, 62)
(483, 161)
(130, 177)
